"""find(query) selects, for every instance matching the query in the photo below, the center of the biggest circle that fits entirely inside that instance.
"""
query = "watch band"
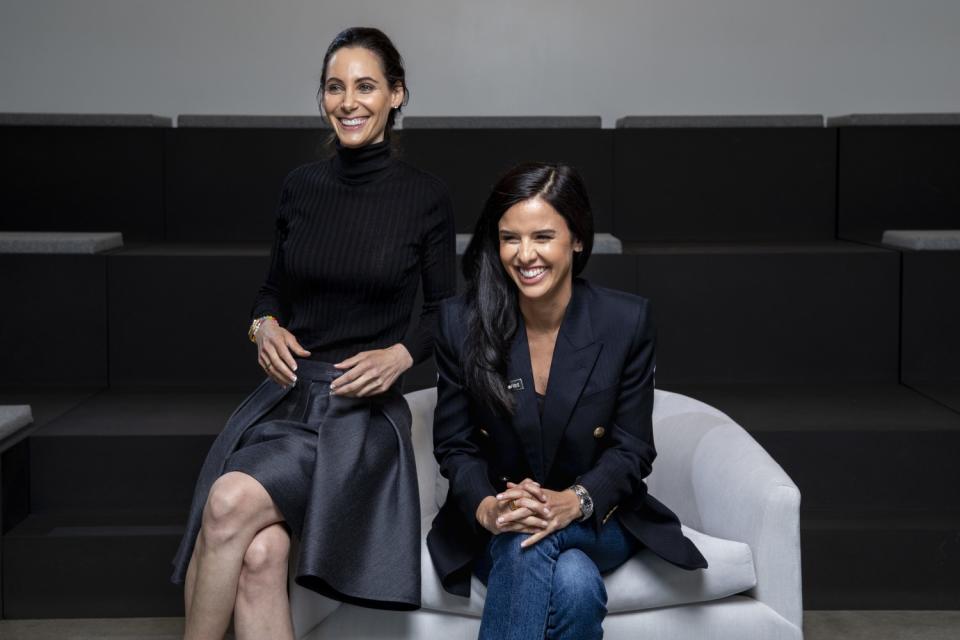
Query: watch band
(586, 502)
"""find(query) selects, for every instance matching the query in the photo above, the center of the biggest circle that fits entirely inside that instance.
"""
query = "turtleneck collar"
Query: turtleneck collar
(362, 164)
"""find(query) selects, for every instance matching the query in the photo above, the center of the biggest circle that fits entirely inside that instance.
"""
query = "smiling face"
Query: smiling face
(536, 250)
(357, 98)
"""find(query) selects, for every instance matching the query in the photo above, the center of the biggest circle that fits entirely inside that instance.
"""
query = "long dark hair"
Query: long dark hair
(390, 60)
(491, 295)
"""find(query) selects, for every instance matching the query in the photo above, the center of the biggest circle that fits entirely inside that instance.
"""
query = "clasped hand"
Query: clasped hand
(526, 507)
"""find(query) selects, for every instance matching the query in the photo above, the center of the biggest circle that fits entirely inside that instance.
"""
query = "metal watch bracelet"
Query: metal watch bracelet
(586, 502)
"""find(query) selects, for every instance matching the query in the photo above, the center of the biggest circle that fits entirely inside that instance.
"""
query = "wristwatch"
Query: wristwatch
(586, 502)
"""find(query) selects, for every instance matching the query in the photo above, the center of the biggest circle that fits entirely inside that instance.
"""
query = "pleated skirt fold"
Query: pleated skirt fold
(342, 473)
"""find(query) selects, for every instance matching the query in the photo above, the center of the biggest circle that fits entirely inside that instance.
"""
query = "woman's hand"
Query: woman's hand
(521, 508)
(564, 508)
(275, 350)
(371, 372)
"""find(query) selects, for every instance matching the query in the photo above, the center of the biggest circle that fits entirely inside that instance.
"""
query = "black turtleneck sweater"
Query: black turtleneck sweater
(355, 235)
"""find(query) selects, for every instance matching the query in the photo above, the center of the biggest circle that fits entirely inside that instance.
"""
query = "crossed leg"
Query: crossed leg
(263, 607)
(238, 510)
(554, 589)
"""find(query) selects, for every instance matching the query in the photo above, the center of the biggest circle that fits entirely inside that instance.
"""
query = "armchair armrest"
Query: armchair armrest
(719, 480)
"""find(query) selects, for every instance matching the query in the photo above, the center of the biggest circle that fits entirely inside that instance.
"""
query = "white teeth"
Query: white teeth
(532, 273)
(353, 121)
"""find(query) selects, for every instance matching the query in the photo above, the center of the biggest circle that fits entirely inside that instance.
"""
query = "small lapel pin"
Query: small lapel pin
(515, 385)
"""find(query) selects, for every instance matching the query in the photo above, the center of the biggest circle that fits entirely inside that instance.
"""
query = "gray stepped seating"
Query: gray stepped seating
(14, 418)
(155, 441)
(15, 425)
(132, 120)
(724, 179)
(223, 173)
(59, 242)
(188, 328)
(58, 334)
(930, 324)
(602, 243)
(922, 239)
(92, 565)
(82, 172)
(107, 477)
(897, 171)
(470, 154)
(790, 313)
(874, 464)
(500, 122)
(845, 444)
(217, 284)
(204, 121)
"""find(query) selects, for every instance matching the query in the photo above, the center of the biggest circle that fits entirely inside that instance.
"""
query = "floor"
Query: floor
(818, 625)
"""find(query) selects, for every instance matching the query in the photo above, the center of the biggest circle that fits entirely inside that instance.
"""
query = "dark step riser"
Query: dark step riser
(773, 327)
(835, 471)
(871, 470)
(117, 576)
(900, 569)
(115, 472)
(90, 577)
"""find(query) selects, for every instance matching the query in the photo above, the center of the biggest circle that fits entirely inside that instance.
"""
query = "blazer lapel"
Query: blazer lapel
(526, 418)
(574, 357)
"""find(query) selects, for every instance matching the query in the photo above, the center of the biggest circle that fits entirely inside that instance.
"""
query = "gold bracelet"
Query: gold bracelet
(255, 326)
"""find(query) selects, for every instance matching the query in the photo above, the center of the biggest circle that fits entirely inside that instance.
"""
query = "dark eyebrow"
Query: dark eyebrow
(367, 79)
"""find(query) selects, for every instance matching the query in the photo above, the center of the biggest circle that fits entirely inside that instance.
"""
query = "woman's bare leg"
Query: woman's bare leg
(263, 608)
(237, 508)
(189, 583)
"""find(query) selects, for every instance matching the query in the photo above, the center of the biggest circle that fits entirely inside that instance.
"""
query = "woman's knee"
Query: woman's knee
(507, 545)
(577, 583)
(268, 551)
(231, 503)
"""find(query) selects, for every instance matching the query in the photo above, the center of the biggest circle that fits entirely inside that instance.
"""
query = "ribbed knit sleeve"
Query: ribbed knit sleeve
(437, 269)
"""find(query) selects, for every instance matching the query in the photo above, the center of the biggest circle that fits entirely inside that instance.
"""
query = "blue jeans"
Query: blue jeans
(552, 590)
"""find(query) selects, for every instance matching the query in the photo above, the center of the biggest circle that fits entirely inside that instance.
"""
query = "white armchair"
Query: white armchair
(737, 504)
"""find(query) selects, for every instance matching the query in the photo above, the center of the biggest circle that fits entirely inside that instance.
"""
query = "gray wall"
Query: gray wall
(488, 57)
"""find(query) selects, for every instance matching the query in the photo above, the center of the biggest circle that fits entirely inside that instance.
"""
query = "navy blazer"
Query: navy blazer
(596, 429)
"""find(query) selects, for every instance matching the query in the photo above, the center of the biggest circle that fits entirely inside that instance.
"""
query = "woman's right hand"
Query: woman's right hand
(275, 350)
(519, 509)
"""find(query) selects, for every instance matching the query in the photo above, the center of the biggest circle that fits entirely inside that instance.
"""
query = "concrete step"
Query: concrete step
(92, 564)
(851, 448)
(116, 563)
(881, 560)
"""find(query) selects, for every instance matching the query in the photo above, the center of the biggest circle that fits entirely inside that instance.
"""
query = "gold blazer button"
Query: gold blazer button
(598, 432)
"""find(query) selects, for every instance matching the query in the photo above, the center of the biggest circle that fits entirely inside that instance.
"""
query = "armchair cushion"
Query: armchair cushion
(644, 582)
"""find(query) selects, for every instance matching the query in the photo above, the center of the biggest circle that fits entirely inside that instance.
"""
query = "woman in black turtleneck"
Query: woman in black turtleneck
(321, 450)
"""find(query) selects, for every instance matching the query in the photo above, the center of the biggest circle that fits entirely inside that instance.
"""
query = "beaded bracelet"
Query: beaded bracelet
(255, 326)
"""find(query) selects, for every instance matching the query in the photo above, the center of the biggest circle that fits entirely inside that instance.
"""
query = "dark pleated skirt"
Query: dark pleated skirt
(342, 473)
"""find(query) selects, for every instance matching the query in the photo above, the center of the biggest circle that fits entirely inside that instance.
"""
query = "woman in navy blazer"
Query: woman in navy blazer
(543, 420)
